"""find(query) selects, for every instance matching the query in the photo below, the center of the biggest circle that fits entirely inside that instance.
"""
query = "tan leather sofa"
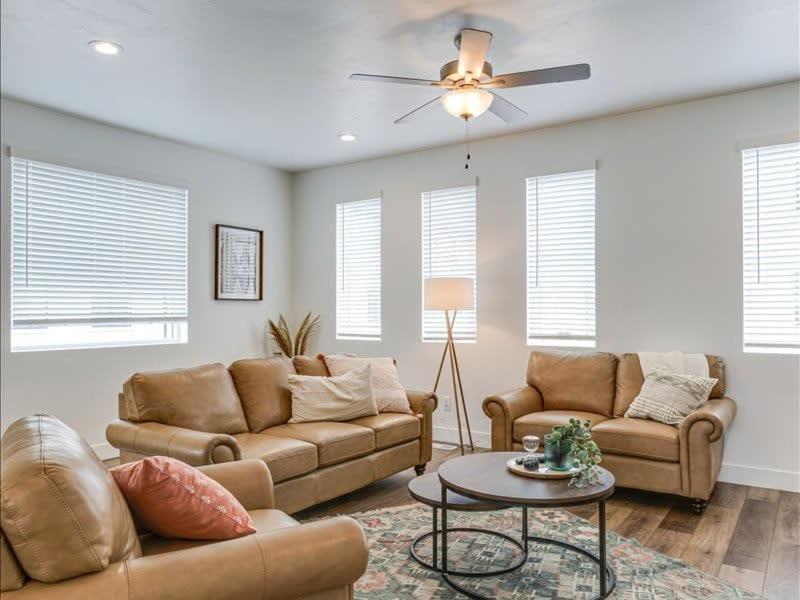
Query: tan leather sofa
(67, 534)
(597, 386)
(210, 415)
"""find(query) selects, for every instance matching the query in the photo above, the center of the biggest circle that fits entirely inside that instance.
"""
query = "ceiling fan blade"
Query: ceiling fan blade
(388, 79)
(510, 113)
(472, 51)
(410, 115)
(551, 75)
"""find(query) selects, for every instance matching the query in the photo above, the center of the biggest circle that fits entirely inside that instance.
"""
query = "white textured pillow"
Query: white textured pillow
(338, 398)
(390, 395)
(669, 397)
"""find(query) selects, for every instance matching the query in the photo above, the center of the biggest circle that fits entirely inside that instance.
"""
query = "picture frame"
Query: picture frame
(238, 264)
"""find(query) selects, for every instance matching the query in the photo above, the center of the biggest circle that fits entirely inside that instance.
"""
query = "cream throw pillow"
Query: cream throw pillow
(669, 397)
(338, 398)
(390, 395)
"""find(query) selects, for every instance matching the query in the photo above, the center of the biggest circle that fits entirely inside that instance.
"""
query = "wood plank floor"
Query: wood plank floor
(747, 536)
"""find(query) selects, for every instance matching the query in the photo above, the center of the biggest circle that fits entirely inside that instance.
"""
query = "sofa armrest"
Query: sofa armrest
(503, 409)
(193, 447)
(717, 413)
(423, 404)
(248, 480)
(285, 563)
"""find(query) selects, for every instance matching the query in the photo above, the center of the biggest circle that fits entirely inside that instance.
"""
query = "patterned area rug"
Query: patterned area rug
(551, 571)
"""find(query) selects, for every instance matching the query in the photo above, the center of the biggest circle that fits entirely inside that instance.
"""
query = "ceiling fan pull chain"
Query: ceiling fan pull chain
(466, 136)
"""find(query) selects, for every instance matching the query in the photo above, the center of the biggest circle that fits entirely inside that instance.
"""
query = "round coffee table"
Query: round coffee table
(428, 490)
(484, 477)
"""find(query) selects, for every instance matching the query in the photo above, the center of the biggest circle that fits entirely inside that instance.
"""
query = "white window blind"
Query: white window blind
(449, 232)
(358, 270)
(96, 260)
(771, 245)
(561, 259)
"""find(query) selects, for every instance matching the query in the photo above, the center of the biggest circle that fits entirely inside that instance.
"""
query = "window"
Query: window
(449, 226)
(561, 262)
(771, 248)
(358, 270)
(96, 260)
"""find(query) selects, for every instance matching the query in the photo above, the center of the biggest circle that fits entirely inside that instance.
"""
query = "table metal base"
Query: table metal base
(608, 579)
(434, 566)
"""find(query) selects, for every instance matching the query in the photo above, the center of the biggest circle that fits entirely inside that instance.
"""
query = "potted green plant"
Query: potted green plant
(571, 446)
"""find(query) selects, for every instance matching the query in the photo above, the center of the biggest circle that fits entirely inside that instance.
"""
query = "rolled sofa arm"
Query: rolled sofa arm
(503, 409)
(717, 415)
(248, 480)
(193, 447)
(423, 404)
(279, 564)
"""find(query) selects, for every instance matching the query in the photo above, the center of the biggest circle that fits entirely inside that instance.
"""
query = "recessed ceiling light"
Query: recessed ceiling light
(103, 47)
(347, 137)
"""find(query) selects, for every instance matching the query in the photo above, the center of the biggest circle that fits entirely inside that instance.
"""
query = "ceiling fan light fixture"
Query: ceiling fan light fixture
(467, 103)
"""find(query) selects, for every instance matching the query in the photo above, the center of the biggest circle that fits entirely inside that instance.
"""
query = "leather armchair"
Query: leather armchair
(282, 560)
(641, 453)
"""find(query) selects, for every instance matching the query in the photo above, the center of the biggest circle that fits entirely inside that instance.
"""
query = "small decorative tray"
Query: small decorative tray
(542, 473)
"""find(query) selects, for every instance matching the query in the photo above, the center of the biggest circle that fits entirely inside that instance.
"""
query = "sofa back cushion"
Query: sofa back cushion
(311, 365)
(201, 398)
(583, 381)
(62, 513)
(261, 384)
(630, 380)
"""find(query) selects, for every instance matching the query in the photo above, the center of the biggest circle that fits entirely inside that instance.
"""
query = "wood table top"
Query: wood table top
(485, 477)
(428, 490)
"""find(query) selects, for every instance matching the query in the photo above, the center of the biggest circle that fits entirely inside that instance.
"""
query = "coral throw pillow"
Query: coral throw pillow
(390, 395)
(175, 500)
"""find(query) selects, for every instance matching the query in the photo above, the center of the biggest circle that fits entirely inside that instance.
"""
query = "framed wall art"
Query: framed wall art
(238, 265)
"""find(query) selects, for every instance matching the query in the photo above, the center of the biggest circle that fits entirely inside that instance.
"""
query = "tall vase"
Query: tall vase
(556, 454)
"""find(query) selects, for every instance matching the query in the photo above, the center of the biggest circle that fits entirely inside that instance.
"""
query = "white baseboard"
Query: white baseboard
(105, 451)
(449, 435)
(775, 479)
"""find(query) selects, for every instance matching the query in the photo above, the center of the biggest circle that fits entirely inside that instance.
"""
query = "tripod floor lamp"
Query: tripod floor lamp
(452, 294)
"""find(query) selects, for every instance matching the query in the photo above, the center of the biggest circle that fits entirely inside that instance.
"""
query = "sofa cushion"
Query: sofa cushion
(630, 380)
(542, 423)
(391, 428)
(390, 395)
(583, 381)
(335, 442)
(261, 385)
(638, 437)
(311, 365)
(62, 513)
(286, 457)
(201, 398)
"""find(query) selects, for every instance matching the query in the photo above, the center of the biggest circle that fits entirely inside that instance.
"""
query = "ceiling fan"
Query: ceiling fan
(469, 81)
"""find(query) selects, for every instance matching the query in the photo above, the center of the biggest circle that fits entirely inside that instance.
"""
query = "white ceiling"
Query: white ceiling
(267, 80)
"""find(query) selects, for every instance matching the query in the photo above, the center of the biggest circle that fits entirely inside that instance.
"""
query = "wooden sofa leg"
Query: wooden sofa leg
(420, 469)
(699, 505)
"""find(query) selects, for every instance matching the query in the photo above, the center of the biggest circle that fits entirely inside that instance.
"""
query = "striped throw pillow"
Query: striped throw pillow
(669, 397)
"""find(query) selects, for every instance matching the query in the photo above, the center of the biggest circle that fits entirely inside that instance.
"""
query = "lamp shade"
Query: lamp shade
(450, 293)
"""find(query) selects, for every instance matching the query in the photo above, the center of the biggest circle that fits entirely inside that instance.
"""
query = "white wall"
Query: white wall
(668, 255)
(81, 386)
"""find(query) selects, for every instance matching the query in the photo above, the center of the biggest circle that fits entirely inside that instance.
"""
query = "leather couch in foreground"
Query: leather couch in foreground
(67, 534)
(210, 415)
(598, 386)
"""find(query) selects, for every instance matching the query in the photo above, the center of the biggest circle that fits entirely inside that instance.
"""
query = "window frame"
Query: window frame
(359, 336)
(762, 347)
(457, 337)
(89, 333)
(560, 341)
